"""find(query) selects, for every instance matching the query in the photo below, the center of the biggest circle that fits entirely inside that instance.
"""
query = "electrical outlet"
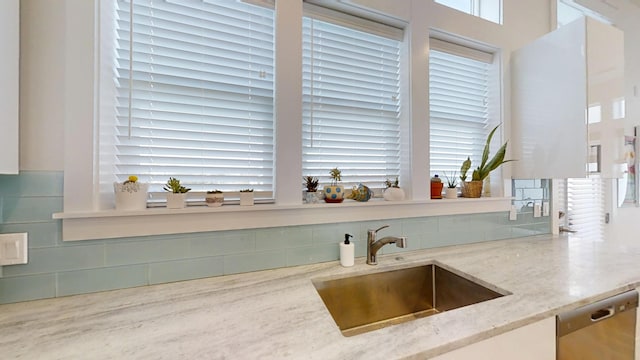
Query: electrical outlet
(13, 248)
(513, 213)
(536, 210)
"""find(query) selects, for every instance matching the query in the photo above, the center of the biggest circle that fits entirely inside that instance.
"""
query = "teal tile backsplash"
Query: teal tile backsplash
(58, 268)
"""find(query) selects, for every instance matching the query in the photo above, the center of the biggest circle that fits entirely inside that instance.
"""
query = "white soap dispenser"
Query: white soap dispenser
(347, 251)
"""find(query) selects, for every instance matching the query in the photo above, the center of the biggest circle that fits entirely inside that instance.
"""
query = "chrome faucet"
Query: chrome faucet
(374, 245)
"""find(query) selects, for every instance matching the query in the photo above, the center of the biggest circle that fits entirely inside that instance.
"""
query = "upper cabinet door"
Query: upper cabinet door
(565, 86)
(9, 85)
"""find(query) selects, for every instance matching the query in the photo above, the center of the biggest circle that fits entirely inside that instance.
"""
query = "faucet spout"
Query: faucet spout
(374, 245)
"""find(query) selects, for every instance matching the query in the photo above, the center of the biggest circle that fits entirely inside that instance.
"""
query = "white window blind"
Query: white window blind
(351, 105)
(459, 108)
(585, 206)
(202, 94)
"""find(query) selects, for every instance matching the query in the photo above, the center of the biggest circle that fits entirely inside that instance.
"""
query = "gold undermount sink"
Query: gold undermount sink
(363, 303)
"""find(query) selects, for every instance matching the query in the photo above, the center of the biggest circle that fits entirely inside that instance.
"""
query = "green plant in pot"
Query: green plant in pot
(392, 191)
(451, 192)
(473, 188)
(246, 197)
(309, 195)
(214, 198)
(334, 193)
(177, 194)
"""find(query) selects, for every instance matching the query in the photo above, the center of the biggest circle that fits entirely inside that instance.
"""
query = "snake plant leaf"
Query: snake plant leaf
(487, 166)
(466, 165)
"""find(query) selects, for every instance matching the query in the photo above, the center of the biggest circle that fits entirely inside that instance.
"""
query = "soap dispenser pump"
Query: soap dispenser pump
(347, 251)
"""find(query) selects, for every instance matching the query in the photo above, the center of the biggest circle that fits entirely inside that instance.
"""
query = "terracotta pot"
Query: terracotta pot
(472, 189)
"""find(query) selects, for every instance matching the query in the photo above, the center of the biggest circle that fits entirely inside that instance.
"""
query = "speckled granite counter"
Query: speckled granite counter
(277, 314)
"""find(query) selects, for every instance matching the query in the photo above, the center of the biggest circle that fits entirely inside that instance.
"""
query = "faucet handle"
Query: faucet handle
(380, 228)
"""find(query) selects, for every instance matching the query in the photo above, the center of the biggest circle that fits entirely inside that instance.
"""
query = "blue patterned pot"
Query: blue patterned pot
(333, 193)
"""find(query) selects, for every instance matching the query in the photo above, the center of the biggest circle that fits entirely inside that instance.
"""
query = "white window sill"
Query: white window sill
(157, 221)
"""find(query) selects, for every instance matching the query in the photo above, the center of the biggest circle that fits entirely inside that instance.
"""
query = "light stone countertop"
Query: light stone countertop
(277, 314)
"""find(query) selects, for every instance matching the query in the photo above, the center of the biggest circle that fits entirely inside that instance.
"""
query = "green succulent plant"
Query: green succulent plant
(246, 190)
(336, 175)
(173, 186)
(486, 165)
(311, 183)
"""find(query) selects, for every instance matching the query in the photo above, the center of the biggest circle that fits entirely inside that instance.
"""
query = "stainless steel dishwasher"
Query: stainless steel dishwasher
(604, 330)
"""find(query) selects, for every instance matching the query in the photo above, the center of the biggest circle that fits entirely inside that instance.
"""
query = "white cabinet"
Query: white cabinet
(9, 94)
(535, 341)
(567, 103)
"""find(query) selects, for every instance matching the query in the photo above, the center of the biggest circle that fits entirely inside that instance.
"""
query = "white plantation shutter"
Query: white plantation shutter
(202, 94)
(458, 105)
(351, 105)
(585, 206)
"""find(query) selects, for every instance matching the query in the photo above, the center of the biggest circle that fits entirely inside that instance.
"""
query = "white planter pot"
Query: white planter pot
(214, 200)
(311, 197)
(246, 198)
(130, 196)
(451, 193)
(176, 201)
(393, 194)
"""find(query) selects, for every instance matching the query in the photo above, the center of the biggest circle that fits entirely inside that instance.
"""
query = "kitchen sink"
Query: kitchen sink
(363, 303)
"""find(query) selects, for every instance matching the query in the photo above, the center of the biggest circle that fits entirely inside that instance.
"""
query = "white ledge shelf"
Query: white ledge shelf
(159, 221)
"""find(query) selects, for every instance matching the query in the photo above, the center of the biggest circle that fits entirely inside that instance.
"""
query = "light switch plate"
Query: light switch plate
(536, 210)
(513, 213)
(13, 249)
(545, 208)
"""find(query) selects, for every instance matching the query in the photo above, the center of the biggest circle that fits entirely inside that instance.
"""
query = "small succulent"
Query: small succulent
(336, 175)
(216, 191)
(131, 179)
(311, 183)
(451, 181)
(173, 186)
(246, 190)
(389, 184)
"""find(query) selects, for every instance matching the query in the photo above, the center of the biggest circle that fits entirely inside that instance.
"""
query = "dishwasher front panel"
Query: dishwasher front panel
(604, 330)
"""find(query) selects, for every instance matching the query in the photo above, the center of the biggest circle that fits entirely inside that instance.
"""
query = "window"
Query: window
(487, 9)
(585, 206)
(568, 10)
(459, 82)
(196, 103)
(351, 105)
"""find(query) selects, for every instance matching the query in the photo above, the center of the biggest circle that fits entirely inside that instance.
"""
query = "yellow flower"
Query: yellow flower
(133, 178)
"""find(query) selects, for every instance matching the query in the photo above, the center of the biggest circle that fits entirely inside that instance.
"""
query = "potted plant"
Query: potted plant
(131, 194)
(310, 195)
(473, 188)
(392, 191)
(177, 194)
(334, 193)
(246, 197)
(214, 198)
(451, 192)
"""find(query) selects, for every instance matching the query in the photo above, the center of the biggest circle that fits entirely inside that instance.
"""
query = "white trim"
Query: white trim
(115, 224)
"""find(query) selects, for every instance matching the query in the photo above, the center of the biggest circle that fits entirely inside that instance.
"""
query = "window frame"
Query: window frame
(83, 218)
